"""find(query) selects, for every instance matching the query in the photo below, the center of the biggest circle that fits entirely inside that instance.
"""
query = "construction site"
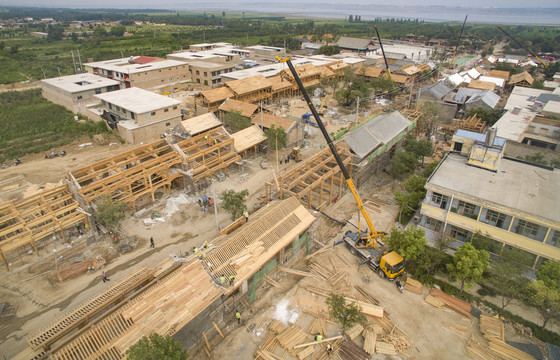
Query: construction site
(281, 261)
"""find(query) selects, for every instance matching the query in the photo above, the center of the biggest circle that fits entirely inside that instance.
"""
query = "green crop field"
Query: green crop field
(31, 124)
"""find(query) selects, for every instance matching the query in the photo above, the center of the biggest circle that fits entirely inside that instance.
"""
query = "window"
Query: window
(97, 91)
(459, 234)
(110, 106)
(153, 113)
(79, 97)
(529, 229)
(197, 72)
(556, 134)
(168, 124)
(543, 132)
(464, 208)
(198, 81)
(166, 110)
(436, 198)
(132, 115)
(553, 238)
(495, 218)
(205, 73)
(432, 224)
(531, 130)
(174, 107)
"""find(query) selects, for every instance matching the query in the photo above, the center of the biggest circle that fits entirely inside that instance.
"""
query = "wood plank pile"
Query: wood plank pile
(413, 286)
(73, 270)
(298, 272)
(434, 301)
(479, 351)
(266, 347)
(324, 355)
(305, 352)
(318, 326)
(276, 327)
(366, 308)
(457, 305)
(291, 337)
(354, 331)
(492, 327)
(382, 347)
(349, 350)
(460, 330)
(370, 339)
(367, 296)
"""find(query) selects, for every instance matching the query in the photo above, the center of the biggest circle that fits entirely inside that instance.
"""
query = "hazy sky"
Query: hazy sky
(184, 4)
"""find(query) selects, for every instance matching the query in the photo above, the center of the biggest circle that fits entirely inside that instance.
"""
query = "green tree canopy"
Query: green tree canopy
(415, 192)
(549, 273)
(402, 163)
(507, 274)
(345, 313)
(420, 148)
(328, 50)
(275, 137)
(234, 202)
(118, 30)
(236, 121)
(468, 264)
(383, 84)
(429, 169)
(410, 243)
(157, 347)
(110, 212)
(545, 299)
(485, 242)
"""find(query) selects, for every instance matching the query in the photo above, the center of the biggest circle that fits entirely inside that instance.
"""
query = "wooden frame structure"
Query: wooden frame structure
(316, 181)
(247, 139)
(252, 89)
(130, 175)
(207, 153)
(24, 222)
(175, 293)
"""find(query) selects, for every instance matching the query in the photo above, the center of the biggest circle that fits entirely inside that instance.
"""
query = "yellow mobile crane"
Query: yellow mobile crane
(523, 46)
(368, 243)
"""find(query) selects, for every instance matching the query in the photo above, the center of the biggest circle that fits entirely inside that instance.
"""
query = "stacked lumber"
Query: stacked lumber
(318, 326)
(413, 286)
(370, 340)
(265, 349)
(354, 331)
(492, 327)
(269, 280)
(276, 327)
(506, 351)
(324, 355)
(291, 337)
(73, 270)
(434, 301)
(457, 305)
(322, 272)
(297, 272)
(305, 352)
(366, 308)
(479, 351)
(349, 350)
(367, 296)
(382, 347)
(399, 342)
(460, 330)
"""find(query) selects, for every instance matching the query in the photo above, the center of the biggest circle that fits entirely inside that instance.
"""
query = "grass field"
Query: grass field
(31, 124)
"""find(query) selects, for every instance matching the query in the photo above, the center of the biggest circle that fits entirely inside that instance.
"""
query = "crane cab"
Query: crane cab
(391, 265)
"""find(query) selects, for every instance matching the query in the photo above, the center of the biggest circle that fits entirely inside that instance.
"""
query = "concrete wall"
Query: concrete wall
(149, 132)
(157, 78)
(75, 102)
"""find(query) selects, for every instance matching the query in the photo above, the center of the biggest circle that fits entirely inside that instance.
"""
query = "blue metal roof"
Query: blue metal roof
(498, 141)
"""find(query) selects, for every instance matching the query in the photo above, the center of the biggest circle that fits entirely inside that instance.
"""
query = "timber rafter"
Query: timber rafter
(316, 181)
(24, 222)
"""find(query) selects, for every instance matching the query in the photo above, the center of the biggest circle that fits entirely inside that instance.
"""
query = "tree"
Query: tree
(351, 18)
(468, 264)
(223, 14)
(14, 49)
(420, 148)
(275, 137)
(429, 117)
(402, 163)
(99, 31)
(410, 243)
(429, 169)
(118, 30)
(110, 212)
(328, 50)
(484, 242)
(428, 264)
(549, 273)
(538, 84)
(157, 347)
(507, 274)
(415, 192)
(346, 314)
(545, 299)
(489, 116)
(383, 84)
(234, 202)
(236, 121)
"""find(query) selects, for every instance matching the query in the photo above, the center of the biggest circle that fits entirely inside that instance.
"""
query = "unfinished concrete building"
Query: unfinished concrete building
(31, 221)
(317, 181)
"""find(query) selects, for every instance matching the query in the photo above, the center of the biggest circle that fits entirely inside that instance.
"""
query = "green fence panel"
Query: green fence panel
(259, 276)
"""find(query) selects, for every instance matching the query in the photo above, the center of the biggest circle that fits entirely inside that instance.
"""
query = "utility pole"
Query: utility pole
(262, 126)
(215, 205)
(73, 61)
(357, 108)
(80, 61)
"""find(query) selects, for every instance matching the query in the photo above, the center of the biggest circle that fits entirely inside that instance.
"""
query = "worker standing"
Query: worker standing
(195, 251)
(318, 337)
(206, 244)
(152, 242)
(329, 348)
(104, 276)
(231, 278)
(222, 280)
(238, 316)
(246, 214)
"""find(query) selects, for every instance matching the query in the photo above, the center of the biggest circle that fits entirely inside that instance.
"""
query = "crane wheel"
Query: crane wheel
(352, 251)
(381, 273)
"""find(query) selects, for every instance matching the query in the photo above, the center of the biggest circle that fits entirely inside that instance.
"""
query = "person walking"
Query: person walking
(152, 242)
(238, 316)
(104, 277)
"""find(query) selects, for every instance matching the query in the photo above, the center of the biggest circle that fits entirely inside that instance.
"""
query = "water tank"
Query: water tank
(490, 136)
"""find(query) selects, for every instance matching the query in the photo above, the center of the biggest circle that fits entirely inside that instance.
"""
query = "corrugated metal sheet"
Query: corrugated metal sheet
(378, 131)
(498, 141)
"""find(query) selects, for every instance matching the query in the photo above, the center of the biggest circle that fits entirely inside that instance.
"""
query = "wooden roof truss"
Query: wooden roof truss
(208, 153)
(474, 124)
(24, 222)
(316, 181)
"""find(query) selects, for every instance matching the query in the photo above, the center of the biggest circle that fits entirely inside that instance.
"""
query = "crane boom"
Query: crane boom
(373, 234)
(382, 51)
(459, 40)
(523, 46)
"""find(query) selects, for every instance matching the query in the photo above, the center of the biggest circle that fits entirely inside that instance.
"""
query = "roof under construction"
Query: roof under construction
(248, 85)
(201, 123)
(247, 138)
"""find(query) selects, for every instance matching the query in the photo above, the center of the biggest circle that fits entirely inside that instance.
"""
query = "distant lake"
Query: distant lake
(540, 16)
